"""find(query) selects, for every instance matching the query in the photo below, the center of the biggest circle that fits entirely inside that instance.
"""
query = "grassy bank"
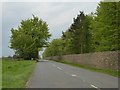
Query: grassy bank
(16, 73)
(105, 71)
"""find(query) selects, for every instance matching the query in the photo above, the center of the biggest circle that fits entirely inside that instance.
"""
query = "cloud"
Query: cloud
(62, 18)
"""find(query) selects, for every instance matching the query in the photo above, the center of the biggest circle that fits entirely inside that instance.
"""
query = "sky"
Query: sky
(58, 15)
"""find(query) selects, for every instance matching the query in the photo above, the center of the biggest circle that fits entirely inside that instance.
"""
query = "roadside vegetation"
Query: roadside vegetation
(16, 73)
(95, 32)
(105, 71)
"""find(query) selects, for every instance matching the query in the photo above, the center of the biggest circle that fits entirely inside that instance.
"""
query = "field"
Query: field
(15, 73)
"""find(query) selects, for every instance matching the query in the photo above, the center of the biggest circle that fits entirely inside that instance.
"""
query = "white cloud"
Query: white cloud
(62, 18)
(46, 11)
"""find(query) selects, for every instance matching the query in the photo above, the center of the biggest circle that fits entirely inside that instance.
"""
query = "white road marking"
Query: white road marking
(73, 75)
(95, 87)
(59, 68)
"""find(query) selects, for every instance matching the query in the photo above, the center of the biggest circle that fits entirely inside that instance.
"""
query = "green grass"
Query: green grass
(105, 71)
(15, 73)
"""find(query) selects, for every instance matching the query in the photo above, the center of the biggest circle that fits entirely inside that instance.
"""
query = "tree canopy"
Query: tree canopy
(55, 48)
(105, 27)
(30, 35)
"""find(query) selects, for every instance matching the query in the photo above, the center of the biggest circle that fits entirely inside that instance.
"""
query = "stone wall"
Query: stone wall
(107, 60)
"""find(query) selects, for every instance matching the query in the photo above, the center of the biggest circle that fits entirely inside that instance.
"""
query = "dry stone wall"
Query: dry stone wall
(107, 60)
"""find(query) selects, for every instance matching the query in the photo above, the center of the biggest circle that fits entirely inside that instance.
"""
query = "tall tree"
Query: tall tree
(67, 42)
(31, 35)
(87, 34)
(77, 33)
(81, 34)
(106, 27)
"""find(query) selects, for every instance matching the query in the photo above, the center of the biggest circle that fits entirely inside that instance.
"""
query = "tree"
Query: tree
(106, 27)
(78, 38)
(80, 34)
(31, 35)
(87, 34)
(54, 49)
(67, 42)
(77, 33)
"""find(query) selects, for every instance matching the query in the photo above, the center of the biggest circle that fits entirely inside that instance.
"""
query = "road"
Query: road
(50, 74)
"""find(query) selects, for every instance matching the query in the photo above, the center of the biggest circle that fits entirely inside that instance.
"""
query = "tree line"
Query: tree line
(95, 32)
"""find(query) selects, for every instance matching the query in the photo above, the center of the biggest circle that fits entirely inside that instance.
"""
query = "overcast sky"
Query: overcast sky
(59, 16)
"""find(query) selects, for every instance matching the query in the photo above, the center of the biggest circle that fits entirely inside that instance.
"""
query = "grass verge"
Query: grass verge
(105, 71)
(16, 73)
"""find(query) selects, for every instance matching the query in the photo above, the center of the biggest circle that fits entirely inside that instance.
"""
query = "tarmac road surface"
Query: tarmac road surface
(50, 74)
